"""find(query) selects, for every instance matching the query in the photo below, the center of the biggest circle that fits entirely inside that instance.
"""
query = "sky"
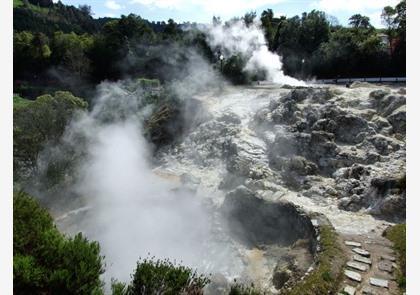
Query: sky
(202, 11)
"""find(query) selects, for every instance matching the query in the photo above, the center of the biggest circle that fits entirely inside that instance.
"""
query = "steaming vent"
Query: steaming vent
(254, 221)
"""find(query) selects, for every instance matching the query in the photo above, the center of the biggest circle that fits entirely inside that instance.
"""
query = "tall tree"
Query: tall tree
(267, 25)
(359, 21)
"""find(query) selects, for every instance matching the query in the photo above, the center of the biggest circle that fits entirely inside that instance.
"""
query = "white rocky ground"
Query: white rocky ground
(328, 149)
(335, 150)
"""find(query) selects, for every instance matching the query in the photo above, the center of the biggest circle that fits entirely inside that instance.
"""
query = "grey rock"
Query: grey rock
(349, 290)
(352, 243)
(348, 128)
(361, 252)
(352, 275)
(357, 266)
(385, 266)
(398, 120)
(390, 104)
(378, 282)
(378, 94)
(281, 277)
(387, 257)
(362, 259)
(369, 291)
(384, 145)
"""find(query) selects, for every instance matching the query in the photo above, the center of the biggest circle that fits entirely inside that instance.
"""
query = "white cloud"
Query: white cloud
(375, 19)
(111, 4)
(216, 7)
(356, 6)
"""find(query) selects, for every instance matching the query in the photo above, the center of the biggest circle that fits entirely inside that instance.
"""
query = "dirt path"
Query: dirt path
(382, 265)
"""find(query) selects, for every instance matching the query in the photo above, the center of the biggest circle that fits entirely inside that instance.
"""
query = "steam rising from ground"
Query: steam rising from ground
(249, 41)
(133, 211)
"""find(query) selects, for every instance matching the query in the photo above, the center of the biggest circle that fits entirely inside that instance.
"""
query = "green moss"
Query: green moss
(397, 235)
(325, 278)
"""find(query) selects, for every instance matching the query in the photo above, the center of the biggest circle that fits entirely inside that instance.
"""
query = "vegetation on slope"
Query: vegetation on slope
(19, 102)
(64, 46)
(326, 276)
(36, 123)
(47, 262)
(397, 234)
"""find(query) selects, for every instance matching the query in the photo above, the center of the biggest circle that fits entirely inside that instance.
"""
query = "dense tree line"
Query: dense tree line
(65, 46)
(314, 46)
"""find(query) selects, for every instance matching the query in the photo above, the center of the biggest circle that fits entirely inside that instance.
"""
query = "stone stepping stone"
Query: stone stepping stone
(362, 259)
(366, 290)
(378, 282)
(357, 266)
(349, 290)
(361, 251)
(387, 257)
(353, 244)
(385, 266)
(352, 275)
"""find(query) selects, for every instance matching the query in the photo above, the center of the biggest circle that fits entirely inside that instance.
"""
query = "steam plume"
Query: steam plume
(249, 41)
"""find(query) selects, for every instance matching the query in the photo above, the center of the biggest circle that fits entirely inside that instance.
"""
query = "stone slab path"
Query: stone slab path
(372, 269)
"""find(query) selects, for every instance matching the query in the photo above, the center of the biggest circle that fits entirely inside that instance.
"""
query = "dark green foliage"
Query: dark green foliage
(164, 277)
(38, 123)
(233, 69)
(46, 262)
(49, 18)
(397, 234)
(19, 102)
(118, 288)
(92, 50)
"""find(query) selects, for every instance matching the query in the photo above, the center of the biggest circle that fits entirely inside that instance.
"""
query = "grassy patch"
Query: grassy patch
(19, 102)
(325, 278)
(397, 235)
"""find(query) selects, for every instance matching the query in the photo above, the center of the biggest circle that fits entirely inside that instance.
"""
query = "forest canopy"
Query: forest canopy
(59, 47)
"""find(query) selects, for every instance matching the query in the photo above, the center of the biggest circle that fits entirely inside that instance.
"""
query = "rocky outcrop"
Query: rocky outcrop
(351, 139)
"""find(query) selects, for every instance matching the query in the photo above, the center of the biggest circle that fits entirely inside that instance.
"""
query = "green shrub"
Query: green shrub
(37, 123)
(164, 277)
(44, 260)
(19, 102)
(234, 69)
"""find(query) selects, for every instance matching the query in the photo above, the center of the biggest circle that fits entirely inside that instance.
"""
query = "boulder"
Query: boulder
(349, 127)
(389, 104)
(379, 94)
(397, 119)
(281, 277)
(384, 145)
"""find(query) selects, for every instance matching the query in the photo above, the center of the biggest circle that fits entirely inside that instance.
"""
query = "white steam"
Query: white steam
(133, 211)
(249, 41)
